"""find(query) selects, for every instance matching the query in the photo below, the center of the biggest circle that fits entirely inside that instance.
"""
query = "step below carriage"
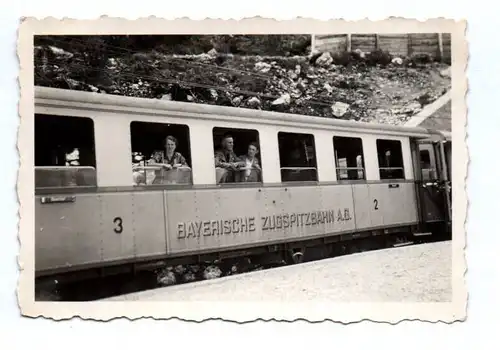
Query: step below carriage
(320, 181)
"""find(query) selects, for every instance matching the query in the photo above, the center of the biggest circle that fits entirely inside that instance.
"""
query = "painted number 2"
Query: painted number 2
(375, 202)
(118, 225)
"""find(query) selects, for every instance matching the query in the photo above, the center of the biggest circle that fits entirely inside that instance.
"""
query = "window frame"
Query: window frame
(429, 173)
(381, 169)
(235, 131)
(189, 159)
(75, 188)
(423, 151)
(297, 182)
(335, 160)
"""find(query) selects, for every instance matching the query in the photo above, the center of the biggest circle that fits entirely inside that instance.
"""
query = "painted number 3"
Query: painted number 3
(375, 203)
(118, 225)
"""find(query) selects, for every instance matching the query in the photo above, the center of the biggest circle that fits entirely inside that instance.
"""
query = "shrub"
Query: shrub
(378, 57)
(421, 58)
(346, 58)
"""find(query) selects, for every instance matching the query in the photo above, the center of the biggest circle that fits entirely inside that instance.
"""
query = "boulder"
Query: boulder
(328, 87)
(212, 53)
(446, 73)
(214, 94)
(166, 278)
(237, 101)
(324, 60)
(254, 102)
(188, 277)
(282, 100)
(397, 60)
(212, 272)
(339, 109)
(262, 67)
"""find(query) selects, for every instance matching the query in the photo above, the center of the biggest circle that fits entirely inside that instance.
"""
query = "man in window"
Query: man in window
(226, 159)
(251, 164)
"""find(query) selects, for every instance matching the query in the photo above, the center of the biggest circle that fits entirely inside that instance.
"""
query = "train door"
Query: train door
(432, 183)
(447, 150)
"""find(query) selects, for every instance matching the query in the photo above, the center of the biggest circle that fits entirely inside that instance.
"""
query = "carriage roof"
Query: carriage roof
(54, 97)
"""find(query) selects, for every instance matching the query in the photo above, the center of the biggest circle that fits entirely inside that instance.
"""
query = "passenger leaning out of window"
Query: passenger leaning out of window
(171, 159)
(251, 164)
(226, 159)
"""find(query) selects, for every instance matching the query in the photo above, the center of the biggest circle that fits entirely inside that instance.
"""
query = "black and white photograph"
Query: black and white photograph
(234, 168)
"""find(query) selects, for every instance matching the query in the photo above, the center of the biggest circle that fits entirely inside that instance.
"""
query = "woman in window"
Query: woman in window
(171, 159)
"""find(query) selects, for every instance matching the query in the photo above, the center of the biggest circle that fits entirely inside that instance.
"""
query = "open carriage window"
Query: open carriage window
(425, 159)
(161, 154)
(64, 151)
(349, 160)
(297, 157)
(429, 172)
(237, 155)
(390, 159)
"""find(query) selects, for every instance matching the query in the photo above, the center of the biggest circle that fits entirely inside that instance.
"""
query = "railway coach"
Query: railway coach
(109, 198)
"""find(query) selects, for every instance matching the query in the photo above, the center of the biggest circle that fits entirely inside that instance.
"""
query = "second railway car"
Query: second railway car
(125, 182)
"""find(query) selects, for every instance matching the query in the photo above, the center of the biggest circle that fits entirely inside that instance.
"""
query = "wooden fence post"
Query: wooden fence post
(440, 44)
(409, 45)
(377, 44)
(313, 42)
(348, 43)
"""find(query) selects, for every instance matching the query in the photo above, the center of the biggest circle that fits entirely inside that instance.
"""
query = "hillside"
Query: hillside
(227, 70)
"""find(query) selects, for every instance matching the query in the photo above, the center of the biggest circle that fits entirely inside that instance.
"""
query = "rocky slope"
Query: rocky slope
(361, 86)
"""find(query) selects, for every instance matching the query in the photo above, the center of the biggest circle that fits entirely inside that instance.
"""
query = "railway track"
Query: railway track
(110, 286)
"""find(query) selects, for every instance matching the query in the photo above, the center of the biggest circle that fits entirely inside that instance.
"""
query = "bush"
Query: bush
(263, 45)
(421, 58)
(122, 45)
(346, 58)
(378, 57)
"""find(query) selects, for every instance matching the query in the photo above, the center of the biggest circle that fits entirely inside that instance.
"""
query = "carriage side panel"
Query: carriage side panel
(117, 229)
(67, 232)
(392, 204)
(363, 207)
(92, 229)
(319, 210)
(211, 219)
(380, 205)
(201, 220)
(149, 224)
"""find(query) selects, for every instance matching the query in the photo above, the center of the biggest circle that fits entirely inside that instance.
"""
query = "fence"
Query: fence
(438, 45)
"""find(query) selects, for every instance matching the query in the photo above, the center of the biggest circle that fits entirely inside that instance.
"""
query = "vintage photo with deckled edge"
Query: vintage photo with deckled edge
(194, 306)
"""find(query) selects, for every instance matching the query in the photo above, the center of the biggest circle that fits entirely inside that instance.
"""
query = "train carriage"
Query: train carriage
(99, 204)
